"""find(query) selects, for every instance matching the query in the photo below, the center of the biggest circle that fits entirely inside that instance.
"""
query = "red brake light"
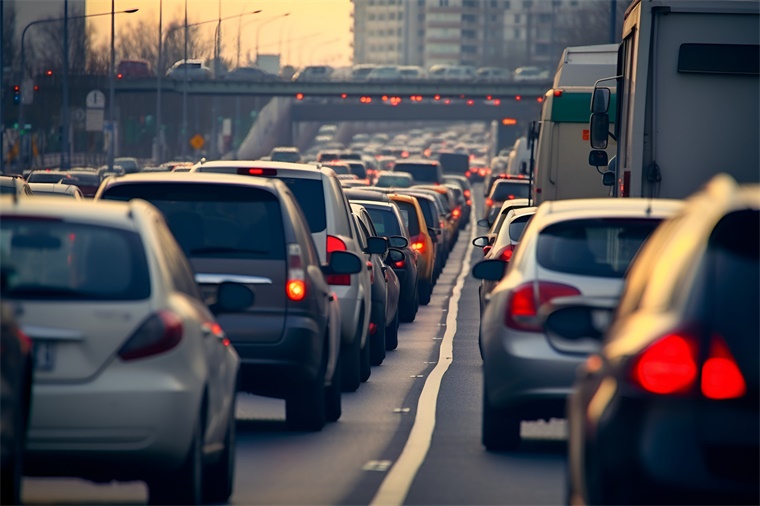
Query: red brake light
(161, 332)
(371, 272)
(336, 244)
(523, 304)
(467, 193)
(467, 174)
(721, 377)
(456, 212)
(489, 201)
(418, 243)
(469, 202)
(295, 288)
(400, 264)
(256, 171)
(372, 328)
(506, 252)
(668, 366)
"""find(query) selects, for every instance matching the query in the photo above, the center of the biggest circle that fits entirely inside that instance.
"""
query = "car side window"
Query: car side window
(301, 230)
(179, 269)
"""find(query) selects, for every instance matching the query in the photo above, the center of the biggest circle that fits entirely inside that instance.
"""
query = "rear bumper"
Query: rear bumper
(125, 424)
(276, 370)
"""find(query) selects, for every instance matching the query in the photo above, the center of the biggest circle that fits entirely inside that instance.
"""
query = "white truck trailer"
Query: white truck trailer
(561, 168)
(688, 97)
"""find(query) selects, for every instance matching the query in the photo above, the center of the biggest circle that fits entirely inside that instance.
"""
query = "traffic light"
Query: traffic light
(17, 94)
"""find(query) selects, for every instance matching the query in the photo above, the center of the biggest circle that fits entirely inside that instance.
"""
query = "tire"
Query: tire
(391, 333)
(377, 342)
(183, 485)
(365, 362)
(305, 408)
(219, 477)
(425, 291)
(501, 430)
(333, 400)
(350, 377)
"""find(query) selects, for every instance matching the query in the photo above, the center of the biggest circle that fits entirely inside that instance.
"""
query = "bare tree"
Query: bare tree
(46, 49)
(10, 56)
(588, 24)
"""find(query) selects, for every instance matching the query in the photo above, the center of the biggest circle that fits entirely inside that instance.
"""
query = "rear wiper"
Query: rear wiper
(225, 249)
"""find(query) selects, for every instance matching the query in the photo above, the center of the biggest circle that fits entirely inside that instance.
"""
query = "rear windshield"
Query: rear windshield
(385, 222)
(510, 190)
(60, 260)
(45, 177)
(359, 170)
(308, 192)
(388, 181)
(600, 247)
(83, 179)
(409, 215)
(215, 221)
(454, 163)
(422, 172)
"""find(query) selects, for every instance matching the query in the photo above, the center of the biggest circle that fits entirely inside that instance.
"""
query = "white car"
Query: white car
(134, 378)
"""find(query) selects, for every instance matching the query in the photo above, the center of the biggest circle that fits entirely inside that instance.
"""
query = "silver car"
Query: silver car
(570, 247)
(134, 378)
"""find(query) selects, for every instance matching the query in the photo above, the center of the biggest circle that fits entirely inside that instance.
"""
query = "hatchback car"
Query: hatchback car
(253, 231)
(192, 70)
(570, 247)
(422, 171)
(667, 408)
(318, 192)
(503, 190)
(134, 378)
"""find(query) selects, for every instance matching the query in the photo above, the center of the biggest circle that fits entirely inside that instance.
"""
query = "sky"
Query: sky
(314, 31)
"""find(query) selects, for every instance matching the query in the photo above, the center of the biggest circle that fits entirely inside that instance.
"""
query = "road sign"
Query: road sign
(197, 141)
(95, 100)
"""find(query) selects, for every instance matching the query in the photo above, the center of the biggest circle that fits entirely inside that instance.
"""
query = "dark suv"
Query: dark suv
(252, 231)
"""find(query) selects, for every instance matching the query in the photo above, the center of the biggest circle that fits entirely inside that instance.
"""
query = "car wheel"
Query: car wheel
(501, 430)
(183, 485)
(391, 333)
(305, 408)
(350, 356)
(333, 408)
(365, 362)
(377, 341)
(218, 478)
(425, 290)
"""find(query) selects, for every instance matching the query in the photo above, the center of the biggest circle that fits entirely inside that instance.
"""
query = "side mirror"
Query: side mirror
(577, 324)
(343, 262)
(600, 128)
(394, 255)
(481, 241)
(600, 100)
(489, 270)
(232, 298)
(483, 223)
(608, 178)
(435, 232)
(598, 158)
(398, 241)
(376, 245)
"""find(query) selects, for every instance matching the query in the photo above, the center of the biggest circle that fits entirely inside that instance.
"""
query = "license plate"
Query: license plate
(44, 356)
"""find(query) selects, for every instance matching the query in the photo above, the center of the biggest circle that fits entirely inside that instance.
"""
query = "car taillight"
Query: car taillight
(482, 172)
(457, 212)
(489, 202)
(721, 377)
(295, 287)
(467, 174)
(371, 272)
(505, 253)
(161, 332)
(372, 328)
(418, 243)
(510, 197)
(669, 366)
(523, 303)
(336, 244)
(486, 249)
(469, 202)
(467, 193)
(400, 264)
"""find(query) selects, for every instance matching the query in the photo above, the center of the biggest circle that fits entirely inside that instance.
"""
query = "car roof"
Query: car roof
(191, 177)
(288, 169)
(107, 213)
(562, 210)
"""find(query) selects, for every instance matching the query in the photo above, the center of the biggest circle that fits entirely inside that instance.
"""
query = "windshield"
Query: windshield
(510, 190)
(385, 221)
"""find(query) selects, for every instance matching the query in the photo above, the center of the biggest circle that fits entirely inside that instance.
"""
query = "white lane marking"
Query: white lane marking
(395, 487)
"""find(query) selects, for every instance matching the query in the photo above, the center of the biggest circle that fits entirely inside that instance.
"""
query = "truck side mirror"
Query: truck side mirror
(600, 128)
(608, 178)
(600, 100)
(598, 158)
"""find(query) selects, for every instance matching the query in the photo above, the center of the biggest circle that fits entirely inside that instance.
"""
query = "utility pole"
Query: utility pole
(159, 72)
(65, 149)
(613, 21)
(183, 131)
(111, 92)
(2, 109)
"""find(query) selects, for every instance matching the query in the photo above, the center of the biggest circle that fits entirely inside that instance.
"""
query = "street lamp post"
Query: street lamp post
(258, 32)
(21, 110)
(183, 140)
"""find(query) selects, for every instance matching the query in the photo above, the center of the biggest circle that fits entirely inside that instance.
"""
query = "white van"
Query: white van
(448, 72)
